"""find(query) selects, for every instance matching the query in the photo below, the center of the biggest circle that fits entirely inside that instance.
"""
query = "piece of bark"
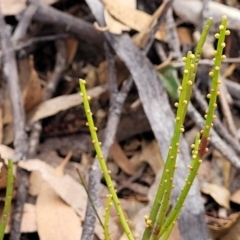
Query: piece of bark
(81, 29)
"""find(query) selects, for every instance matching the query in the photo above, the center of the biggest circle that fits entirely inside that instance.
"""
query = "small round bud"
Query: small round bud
(223, 57)
(224, 17)
(223, 45)
(217, 35)
(184, 59)
(181, 130)
(210, 74)
(221, 27)
(227, 32)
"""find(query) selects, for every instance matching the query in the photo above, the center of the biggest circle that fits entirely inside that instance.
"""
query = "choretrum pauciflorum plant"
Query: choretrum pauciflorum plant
(158, 223)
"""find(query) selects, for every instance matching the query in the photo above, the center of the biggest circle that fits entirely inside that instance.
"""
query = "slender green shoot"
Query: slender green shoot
(163, 195)
(198, 52)
(106, 173)
(90, 199)
(162, 199)
(169, 223)
(200, 146)
(107, 216)
(8, 199)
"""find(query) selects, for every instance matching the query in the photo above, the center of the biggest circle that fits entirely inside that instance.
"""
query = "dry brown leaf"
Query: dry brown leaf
(55, 105)
(234, 231)
(185, 35)
(3, 174)
(221, 229)
(132, 18)
(115, 26)
(66, 187)
(149, 154)
(235, 197)
(7, 111)
(121, 159)
(8, 134)
(103, 74)
(71, 45)
(33, 93)
(13, 7)
(63, 222)
(55, 219)
(219, 193)
(6, 152)
(204, 172)
(28, 223)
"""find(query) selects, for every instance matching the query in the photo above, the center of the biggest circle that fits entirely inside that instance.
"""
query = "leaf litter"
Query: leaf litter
(134, 159)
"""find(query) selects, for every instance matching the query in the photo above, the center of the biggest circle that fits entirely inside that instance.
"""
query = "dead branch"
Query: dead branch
(81, 29)
(20, 136)
(23, 24)
(50, 89)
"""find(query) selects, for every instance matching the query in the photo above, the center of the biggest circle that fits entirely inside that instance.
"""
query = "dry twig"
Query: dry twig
(20, 136)
(50, 89)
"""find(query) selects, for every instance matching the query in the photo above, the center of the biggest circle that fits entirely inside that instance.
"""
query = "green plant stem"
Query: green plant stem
(197, 53)
(169, 167)
(107, 216)
(196, 161)
(163, 195)
(201, 145)
(105, 171)
(8, 199)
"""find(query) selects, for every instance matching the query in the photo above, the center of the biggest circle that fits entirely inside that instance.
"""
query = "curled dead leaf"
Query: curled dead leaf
(219, 193)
